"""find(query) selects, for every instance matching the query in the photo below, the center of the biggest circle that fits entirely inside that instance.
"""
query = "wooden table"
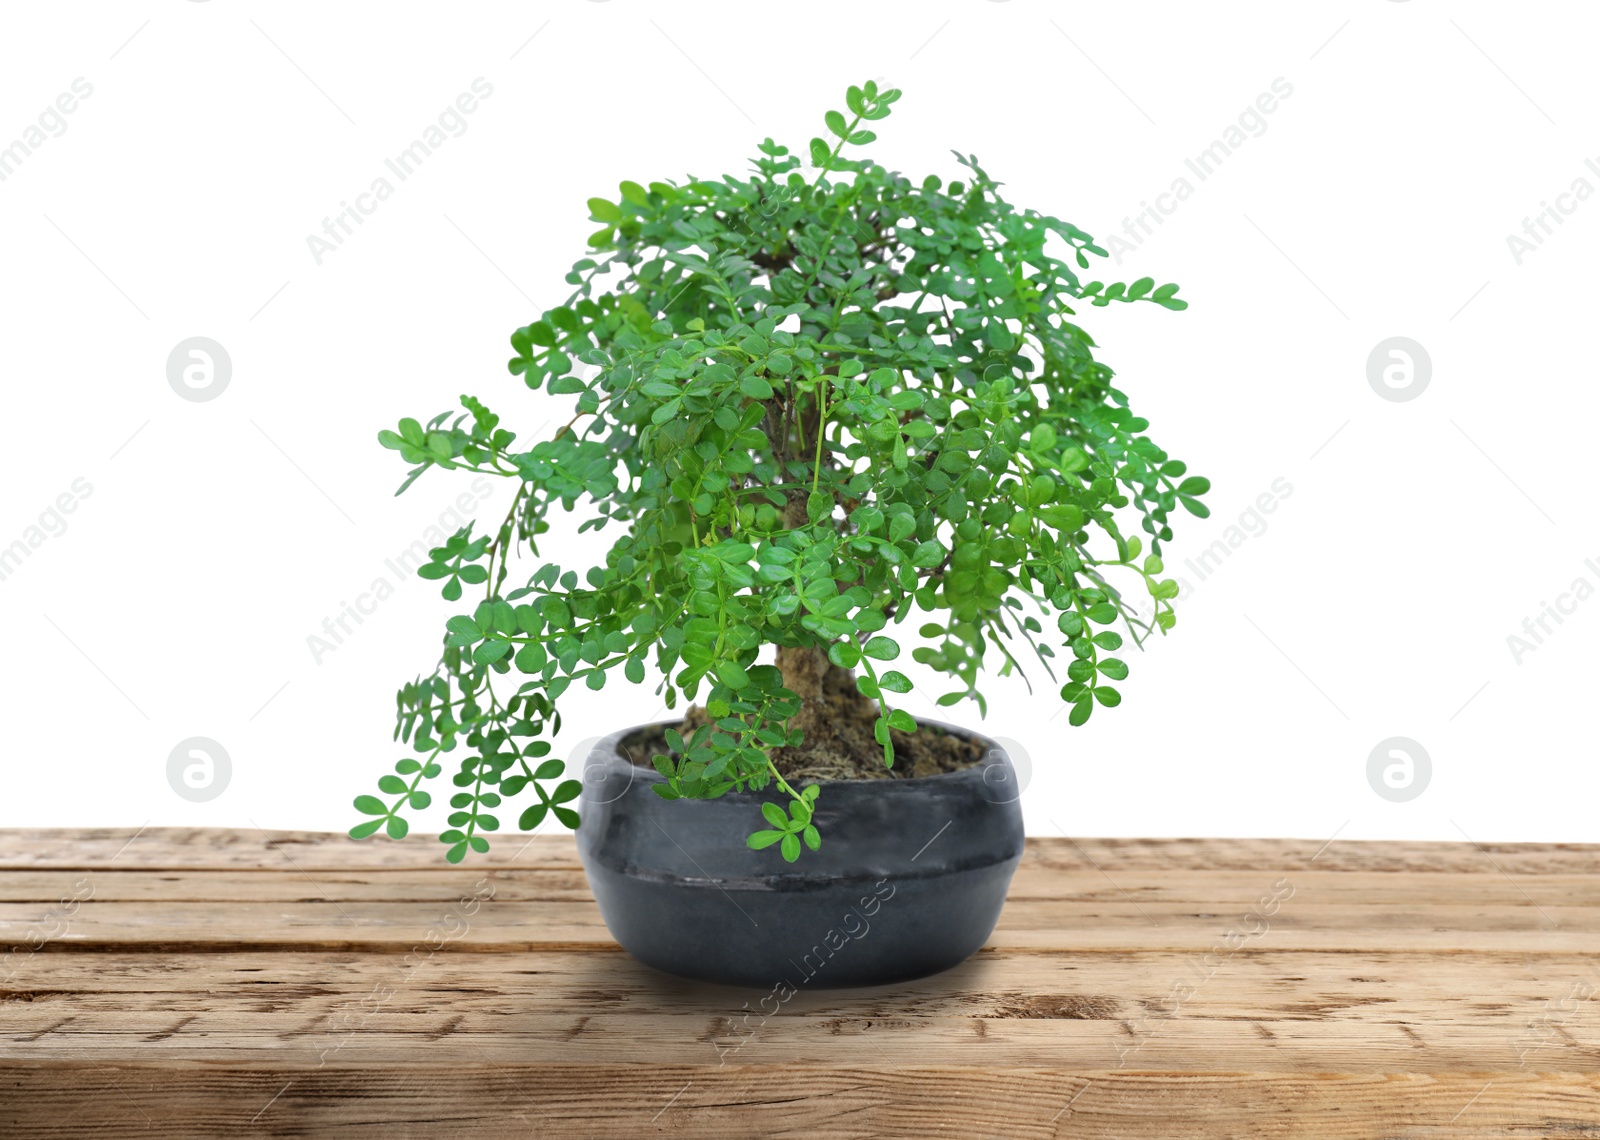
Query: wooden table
(239, 983)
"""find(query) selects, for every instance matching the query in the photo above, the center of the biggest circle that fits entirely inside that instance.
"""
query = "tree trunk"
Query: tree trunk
(803, 668)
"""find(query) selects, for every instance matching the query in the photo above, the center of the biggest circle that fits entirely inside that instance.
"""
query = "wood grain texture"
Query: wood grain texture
(205, 983)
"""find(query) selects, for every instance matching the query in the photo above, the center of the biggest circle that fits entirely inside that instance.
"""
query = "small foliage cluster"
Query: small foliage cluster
(813, 405)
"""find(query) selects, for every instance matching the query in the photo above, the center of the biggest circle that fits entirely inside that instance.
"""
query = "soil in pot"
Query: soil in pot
(837, 721)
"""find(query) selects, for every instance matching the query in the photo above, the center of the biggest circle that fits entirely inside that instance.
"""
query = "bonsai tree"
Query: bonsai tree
(814, 404)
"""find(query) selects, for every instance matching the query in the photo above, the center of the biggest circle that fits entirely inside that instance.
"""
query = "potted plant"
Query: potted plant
(830, 412)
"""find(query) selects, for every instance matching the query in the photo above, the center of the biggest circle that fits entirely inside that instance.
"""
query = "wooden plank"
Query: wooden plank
(624, 1102)
(72, 848)
(255, 848)
(1044, 925)
(1282, 1011)
(1218, 889)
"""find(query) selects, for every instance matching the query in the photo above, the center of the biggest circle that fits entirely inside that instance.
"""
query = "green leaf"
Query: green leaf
(371, 805)
(867, 519)
(549, 770)
(1062, 516)
(731, 675)
(605, 211)
(790, 848)
(490, 651)
(756, 388)
(895, 682)
(882, 648)
(844, 654)
(836, 123)
(928, 554)
(819, 506)
(775, 815)
(1102, 613)
(566, 790)
(760, 840)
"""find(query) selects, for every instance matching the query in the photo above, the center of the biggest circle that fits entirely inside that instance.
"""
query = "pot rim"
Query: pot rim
(962, 783)
(609, 746)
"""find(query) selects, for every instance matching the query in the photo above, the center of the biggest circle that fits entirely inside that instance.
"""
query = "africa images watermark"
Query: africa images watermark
(402, 566)
(1539, 227)
(1251, 523)
(52, 124)
(1548, 1027)
(55, 924)
(51, 523)
(852, 927)
(1251, 123)
(199, 769)
(454, 926)
(1538, 628)
(1254, 925)
(451, 123)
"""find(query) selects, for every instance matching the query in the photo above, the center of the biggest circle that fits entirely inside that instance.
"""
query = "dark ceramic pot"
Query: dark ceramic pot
(909, 881)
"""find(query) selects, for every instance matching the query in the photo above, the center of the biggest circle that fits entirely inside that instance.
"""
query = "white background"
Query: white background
(218, 536)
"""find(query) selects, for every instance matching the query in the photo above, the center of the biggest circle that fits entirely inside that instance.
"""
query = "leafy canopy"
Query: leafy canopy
(812, 404)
